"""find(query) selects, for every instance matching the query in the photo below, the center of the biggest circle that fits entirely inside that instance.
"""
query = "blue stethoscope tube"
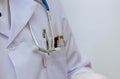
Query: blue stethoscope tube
(50, 22)
(46, 5)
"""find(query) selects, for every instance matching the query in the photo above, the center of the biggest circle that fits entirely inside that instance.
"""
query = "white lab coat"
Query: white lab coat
(17, 58)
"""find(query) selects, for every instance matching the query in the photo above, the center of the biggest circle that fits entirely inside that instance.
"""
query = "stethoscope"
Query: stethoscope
(55, 43)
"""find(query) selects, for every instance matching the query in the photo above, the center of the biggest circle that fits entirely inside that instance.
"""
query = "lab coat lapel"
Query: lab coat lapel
(21, 12)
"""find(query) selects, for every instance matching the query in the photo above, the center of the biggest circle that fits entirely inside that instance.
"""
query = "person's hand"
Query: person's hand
(90, 76)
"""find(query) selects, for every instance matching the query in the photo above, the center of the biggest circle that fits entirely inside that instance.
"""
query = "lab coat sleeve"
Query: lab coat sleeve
(77, 62)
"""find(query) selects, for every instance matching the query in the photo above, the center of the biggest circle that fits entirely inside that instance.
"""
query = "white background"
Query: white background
(96, 27)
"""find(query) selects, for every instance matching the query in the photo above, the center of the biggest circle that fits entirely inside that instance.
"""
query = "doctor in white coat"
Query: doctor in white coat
(18, 60)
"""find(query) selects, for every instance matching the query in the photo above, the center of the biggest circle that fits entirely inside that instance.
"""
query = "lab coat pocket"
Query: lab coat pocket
(58, 64)
(27, 64)
(60, 54)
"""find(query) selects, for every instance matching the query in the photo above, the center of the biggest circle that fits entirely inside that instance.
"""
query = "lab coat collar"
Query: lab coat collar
(21, 12)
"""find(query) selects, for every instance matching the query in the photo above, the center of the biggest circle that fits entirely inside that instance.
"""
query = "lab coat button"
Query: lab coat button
(0, 14)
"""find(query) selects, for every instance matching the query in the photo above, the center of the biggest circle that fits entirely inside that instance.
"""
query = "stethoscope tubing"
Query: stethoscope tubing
(37, 45)
(51, 28)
